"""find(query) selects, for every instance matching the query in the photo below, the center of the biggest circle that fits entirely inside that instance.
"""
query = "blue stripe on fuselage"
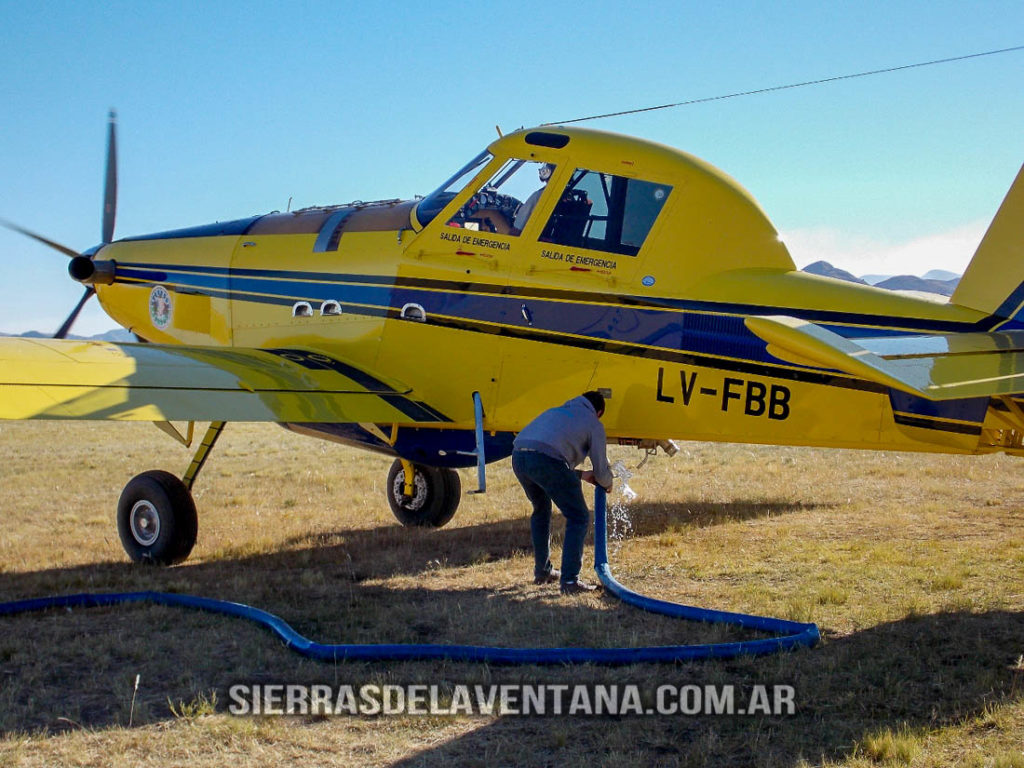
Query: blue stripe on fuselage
(700, 328)
(848, 324)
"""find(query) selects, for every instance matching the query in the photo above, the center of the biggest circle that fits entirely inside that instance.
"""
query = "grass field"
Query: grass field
(912, 565)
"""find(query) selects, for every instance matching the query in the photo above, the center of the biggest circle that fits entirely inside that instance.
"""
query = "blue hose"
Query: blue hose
(796, 633)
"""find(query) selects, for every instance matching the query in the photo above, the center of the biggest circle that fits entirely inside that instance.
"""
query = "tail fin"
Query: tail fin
(994, 280)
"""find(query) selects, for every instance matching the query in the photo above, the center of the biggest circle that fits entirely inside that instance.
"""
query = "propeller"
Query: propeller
(109, 216)
(70, 252)
(62, 332)
(110, 187)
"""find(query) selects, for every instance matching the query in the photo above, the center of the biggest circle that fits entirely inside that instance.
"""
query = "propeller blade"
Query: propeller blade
(110, 189)
(45, 241)
(62, 332)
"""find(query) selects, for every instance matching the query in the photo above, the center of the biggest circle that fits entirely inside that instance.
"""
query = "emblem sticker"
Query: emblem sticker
(160, 307)
(648, 281)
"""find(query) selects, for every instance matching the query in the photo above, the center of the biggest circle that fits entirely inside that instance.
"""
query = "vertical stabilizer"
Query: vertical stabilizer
(994, 278)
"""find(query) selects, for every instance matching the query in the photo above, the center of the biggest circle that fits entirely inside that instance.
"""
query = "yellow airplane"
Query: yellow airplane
(556, 261)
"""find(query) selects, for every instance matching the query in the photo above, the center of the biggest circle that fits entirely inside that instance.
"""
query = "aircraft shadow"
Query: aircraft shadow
(63, 670)
(355, 555)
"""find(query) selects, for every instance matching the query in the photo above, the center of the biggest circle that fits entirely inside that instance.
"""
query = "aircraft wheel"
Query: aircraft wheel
(156, 518)
(436, 495)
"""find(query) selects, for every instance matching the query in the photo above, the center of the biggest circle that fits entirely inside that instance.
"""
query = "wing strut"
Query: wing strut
(170, 429)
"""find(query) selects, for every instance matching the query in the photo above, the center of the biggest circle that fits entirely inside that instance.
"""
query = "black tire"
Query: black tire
(156, 519)
(436, 496)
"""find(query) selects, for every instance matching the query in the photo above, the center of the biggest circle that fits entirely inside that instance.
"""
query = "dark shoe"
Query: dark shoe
(576, 587)
(548, 578)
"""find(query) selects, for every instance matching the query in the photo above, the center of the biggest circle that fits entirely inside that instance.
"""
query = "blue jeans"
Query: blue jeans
(546, 479)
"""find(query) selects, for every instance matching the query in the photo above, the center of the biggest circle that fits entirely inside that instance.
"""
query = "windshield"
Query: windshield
(434, 203)
(505, 202)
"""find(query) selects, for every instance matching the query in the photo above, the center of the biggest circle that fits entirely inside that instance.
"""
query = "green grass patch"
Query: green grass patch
(890, 747)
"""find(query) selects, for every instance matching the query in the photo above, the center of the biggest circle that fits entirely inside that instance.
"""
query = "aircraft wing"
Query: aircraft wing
(64, 379)
(933, 366)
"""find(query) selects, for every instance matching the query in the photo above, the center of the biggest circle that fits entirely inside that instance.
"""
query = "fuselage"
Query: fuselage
(632, 274)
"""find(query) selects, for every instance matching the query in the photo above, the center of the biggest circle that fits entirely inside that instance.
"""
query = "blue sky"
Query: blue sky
(228, 109)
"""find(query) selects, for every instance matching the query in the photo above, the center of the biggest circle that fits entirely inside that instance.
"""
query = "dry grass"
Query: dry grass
(911, 565)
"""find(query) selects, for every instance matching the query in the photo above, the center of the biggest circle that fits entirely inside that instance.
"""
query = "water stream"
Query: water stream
(620, 525)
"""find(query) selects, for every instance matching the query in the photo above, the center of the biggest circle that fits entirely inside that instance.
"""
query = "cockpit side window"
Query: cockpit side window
(505, 202)
(604, 212)
(434, 203)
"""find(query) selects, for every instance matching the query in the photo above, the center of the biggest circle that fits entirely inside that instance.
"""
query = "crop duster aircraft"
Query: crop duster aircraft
(556, 261)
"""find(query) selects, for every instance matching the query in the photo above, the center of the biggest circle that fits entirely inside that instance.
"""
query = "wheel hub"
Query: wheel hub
(419, 496)
(145, 523)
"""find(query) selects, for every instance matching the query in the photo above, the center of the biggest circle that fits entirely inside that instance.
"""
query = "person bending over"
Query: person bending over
(544, 457)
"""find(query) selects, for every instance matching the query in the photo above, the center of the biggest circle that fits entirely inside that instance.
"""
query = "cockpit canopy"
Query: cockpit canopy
(594, 210)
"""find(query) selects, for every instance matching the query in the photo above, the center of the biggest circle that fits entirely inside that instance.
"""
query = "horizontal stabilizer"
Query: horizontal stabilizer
(935, 367)
(63, 379)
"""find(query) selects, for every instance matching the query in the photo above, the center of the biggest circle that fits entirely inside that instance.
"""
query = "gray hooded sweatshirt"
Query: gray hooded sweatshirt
(570, 432)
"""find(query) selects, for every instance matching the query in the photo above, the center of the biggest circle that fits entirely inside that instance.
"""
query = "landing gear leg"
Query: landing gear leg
(203, 452)
(156, 515)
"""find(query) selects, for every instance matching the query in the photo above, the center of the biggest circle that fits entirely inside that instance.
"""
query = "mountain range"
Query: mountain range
(118, 335)
(934, 281)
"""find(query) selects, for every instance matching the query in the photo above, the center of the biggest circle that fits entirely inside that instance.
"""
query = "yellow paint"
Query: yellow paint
(711, 246)
(999, 260)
